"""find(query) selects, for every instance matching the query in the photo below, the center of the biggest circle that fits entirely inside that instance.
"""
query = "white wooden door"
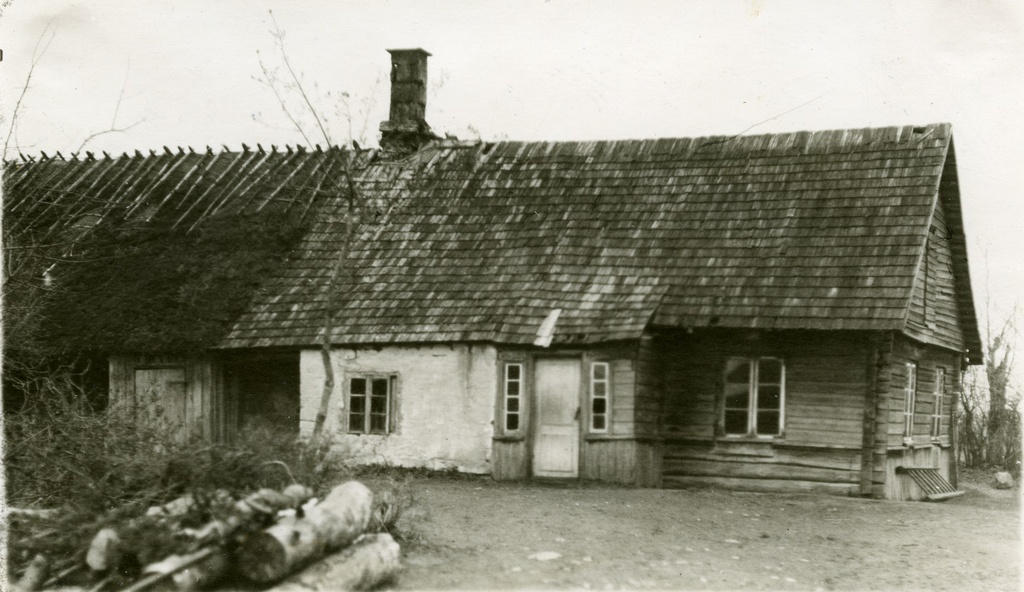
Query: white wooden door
(557, 438)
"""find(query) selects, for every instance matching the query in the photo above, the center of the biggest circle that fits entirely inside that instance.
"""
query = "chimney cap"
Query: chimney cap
(411, 50)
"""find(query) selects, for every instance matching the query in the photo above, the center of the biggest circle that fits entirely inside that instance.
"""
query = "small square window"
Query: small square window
(369, 404)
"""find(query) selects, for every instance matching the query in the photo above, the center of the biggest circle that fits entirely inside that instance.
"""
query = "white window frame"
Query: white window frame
(940, 393)
(909, 400)
(366, 430)
(607, 382)
(518, 397)
(753, 382)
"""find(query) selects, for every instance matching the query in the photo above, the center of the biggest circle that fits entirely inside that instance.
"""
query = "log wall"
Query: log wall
(928, 358)
(828, 378)
(920, 449)
(773, 467)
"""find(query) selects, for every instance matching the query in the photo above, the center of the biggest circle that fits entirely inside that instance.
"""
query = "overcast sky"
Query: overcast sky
(556, 70)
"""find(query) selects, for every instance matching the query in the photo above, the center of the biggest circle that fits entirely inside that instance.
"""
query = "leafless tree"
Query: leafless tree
(300, 107)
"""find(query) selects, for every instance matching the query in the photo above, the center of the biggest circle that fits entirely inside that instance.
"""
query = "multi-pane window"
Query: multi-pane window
(754, 393)
(513, 388)
(600, 393)
(909, 399)
(369, 404)
(940, 391)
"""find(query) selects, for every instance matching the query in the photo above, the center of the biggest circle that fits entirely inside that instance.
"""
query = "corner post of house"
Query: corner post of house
(870, 414)
(954, 440)
(882, 378)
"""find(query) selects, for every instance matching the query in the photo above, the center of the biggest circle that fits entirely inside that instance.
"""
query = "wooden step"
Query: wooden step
(934, 486)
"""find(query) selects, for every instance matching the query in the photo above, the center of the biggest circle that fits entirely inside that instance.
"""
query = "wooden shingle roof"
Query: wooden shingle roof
(481, 242)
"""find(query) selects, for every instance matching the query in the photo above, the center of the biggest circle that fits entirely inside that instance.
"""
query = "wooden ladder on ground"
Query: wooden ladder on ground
(934, 485)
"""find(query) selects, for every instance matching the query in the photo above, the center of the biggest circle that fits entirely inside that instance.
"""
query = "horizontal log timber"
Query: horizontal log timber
(761, 485)
(847, 459)
(757, 470)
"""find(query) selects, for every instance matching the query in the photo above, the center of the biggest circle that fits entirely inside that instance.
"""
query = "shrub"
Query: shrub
(98, 469)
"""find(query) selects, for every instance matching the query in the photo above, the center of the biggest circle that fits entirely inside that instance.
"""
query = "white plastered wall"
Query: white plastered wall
(444, 404)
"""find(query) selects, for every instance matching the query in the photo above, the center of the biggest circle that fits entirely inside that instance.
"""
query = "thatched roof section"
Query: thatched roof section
(154, 252)
(481, 242)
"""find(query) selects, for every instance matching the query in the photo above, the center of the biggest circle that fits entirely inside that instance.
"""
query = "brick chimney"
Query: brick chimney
(406, 129)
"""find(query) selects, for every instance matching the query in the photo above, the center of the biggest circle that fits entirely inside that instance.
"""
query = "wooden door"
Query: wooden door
(557, 437)
(160, 393)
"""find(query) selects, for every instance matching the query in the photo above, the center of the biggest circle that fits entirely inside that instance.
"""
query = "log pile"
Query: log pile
(266, 538)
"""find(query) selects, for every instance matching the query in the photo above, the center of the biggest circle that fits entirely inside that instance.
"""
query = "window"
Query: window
(940, 391)
(513, 389)
(909, 399)
(369, 404)
(754, 394)
(599, 395)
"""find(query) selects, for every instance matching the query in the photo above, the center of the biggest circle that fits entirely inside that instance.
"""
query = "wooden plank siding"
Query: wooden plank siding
(627, 452)
(203, 402)
(928, 359)
(934, 316)
(828, 377)
(902, 487)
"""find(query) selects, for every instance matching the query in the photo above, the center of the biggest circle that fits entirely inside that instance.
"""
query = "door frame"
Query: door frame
(535, 427)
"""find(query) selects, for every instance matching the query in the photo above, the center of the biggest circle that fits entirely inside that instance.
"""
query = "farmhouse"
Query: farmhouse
(784, 312)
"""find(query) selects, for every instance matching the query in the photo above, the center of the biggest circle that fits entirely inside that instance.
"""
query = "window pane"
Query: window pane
(358, 404)
(512, 389)
(600, 389)
(769, 397)
(378, 423)
(600, 406)
(600, 371)
(738, 371)
(358, 386)
(380, 387)
(598, 422)
(767, 423)
(769, 372)
(737, 396)
(735, 421)
(356, 422)
(512, 371)
(512, 421)
(512, 405)
(378, 404)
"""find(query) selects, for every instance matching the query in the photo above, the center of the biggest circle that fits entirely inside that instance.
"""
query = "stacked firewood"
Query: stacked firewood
(263, 539)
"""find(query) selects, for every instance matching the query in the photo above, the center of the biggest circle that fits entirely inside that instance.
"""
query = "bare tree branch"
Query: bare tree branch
(279, 35)
(269, 79)
(113, 129)
(37, 55)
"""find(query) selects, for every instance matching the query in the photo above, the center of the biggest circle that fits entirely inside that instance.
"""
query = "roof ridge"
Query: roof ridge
(827, 140)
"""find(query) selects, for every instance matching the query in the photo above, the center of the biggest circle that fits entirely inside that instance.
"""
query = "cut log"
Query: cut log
(34, 575)
(373, 560)
(190, 572)
(104, 550)
(293, 542)
(32, 513)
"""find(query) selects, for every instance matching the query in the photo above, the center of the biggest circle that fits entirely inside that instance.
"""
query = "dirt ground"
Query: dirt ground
(478, 534)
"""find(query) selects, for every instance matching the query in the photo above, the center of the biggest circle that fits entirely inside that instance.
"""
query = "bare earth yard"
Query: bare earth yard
(478, 534)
